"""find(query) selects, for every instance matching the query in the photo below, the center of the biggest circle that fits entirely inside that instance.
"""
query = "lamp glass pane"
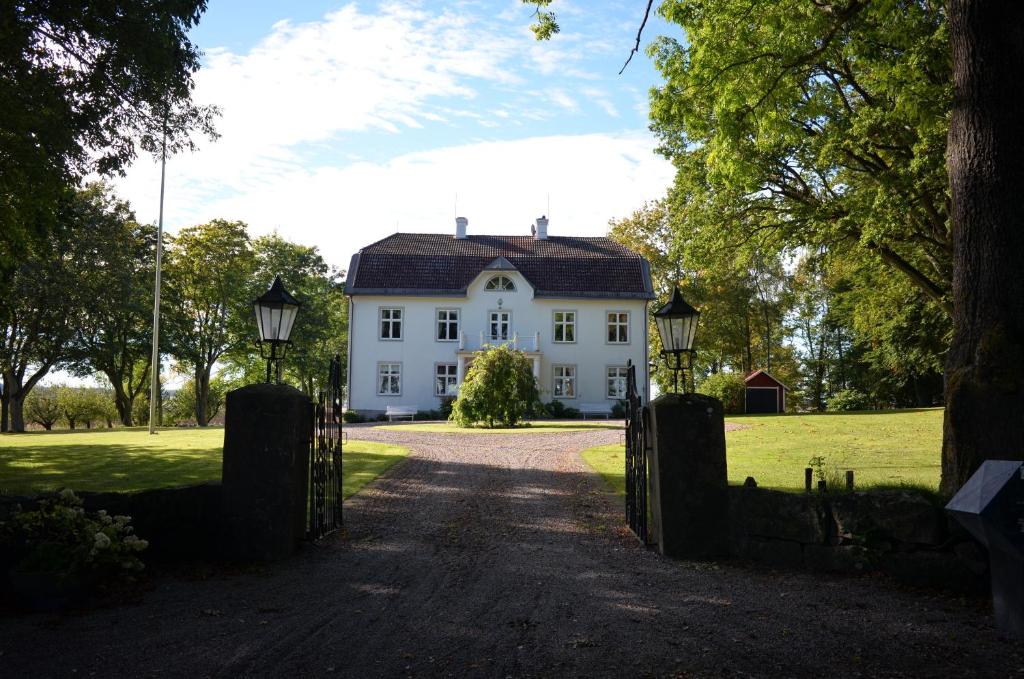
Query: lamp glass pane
(287, 321)
(267, 330)
(678, 333)
(259, 318)
(664, 331)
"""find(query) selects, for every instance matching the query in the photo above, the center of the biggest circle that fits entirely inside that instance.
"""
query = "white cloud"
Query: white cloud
(334, 84)
(502, 187)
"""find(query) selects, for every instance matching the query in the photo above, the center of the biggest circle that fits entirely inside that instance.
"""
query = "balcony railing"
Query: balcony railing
(515, 340)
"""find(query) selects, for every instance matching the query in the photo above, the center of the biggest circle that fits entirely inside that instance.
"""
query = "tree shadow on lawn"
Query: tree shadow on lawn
(130, 468)
(106, 467)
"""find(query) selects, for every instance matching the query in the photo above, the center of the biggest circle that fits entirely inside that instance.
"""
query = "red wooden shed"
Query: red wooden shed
(765, 394)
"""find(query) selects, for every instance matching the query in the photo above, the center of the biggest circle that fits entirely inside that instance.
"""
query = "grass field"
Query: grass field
(131, 459)
(883, 448)
(542, 427)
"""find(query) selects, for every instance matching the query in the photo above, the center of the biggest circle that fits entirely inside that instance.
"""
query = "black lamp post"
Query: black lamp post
(677, 324)
(275, 314)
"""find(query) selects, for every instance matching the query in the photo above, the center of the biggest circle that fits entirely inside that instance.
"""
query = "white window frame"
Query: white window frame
(608, 324)
(448, 321)
(488, 337)
(392, 321)
(557, 379)
(397, 374)
(451, 378)
(565, 324)
(622, 373)
(505, 282)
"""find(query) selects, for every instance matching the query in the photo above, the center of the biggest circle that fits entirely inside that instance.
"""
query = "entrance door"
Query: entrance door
(500, 325)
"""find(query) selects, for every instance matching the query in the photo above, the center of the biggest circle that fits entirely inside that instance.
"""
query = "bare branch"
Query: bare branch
(636, 47)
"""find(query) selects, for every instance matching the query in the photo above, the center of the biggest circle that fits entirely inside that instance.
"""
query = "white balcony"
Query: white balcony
(529, 343)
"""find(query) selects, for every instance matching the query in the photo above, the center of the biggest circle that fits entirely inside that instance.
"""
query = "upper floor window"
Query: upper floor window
(618, 327)
(500, 283)
(565, 326)
(447, 325)
(390, 323)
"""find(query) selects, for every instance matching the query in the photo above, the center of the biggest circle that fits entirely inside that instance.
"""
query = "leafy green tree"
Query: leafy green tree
(81, 405)
(181, 407)
(320, 330)
(83, 87)
(41, 302)
(499, 388)
(42, 407)
(208, 278)
(113, 334)
(727, 387)
(817, 122)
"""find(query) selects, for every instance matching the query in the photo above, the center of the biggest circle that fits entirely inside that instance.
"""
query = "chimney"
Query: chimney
(541, 232)
(460, 227)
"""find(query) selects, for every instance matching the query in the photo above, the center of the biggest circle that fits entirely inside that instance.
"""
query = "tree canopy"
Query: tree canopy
(84, 87)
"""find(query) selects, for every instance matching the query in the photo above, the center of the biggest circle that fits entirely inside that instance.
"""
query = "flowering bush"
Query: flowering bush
(61, 539)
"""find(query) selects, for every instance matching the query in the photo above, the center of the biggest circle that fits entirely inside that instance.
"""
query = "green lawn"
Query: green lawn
(541, 427)
(131, 459)
(883, 448)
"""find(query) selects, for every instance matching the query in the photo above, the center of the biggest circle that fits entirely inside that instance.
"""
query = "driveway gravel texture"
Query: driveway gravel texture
(503, 556)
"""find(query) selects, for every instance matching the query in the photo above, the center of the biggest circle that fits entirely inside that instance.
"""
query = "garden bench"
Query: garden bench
(595, 409)
(401, 411)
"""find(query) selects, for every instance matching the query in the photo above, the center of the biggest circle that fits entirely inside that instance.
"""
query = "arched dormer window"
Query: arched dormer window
(500, 283)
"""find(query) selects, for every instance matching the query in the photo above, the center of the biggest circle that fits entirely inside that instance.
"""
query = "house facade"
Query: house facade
(421, 305)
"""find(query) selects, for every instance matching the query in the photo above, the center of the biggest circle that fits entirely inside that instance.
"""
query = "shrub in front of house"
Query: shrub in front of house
(352, 417)
(499, 389)
(728, 388)
(559, 411)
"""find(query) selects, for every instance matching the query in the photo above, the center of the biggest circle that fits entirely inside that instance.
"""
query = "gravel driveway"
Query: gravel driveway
(499, 556)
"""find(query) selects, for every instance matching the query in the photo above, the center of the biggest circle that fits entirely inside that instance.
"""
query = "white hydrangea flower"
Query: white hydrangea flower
(68, 494)
(136, 543)
(102, 541)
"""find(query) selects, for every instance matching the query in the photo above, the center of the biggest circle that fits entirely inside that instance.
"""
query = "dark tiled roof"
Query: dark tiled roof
(434, 263)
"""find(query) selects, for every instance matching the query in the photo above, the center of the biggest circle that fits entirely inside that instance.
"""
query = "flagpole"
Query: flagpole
(154, 380)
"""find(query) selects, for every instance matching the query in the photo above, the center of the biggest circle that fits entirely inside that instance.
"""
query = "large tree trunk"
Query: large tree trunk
(122, 401)
(5, 403)
(17, 401)
(202, 387)
(985, 367)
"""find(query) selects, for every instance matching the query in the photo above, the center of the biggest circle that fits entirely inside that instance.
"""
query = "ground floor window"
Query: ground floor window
(389, 382)
(565, 381)
(446, 381)
(617, 382)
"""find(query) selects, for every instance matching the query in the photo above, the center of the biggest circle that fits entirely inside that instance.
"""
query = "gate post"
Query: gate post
(267, 433)
(688, 494)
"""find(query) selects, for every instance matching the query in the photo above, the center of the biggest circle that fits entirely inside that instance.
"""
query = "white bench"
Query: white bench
(595, 409)
(401, 411)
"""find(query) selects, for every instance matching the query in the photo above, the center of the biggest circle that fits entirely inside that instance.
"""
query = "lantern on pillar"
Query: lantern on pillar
(275, 315)
(677, 325)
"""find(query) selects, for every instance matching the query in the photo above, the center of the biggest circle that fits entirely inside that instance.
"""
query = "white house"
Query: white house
(420, 305)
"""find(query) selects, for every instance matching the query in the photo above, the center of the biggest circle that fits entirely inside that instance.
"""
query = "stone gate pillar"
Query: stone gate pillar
(267, 433)
(688, 494)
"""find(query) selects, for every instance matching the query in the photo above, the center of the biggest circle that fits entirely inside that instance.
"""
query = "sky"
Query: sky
(345, 122)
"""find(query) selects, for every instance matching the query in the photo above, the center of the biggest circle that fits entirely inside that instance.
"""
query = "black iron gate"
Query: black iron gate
(325, 458)
(637, 418)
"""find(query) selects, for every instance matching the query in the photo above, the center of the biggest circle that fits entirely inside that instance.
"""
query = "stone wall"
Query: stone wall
(182, 523)
(900, 533)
